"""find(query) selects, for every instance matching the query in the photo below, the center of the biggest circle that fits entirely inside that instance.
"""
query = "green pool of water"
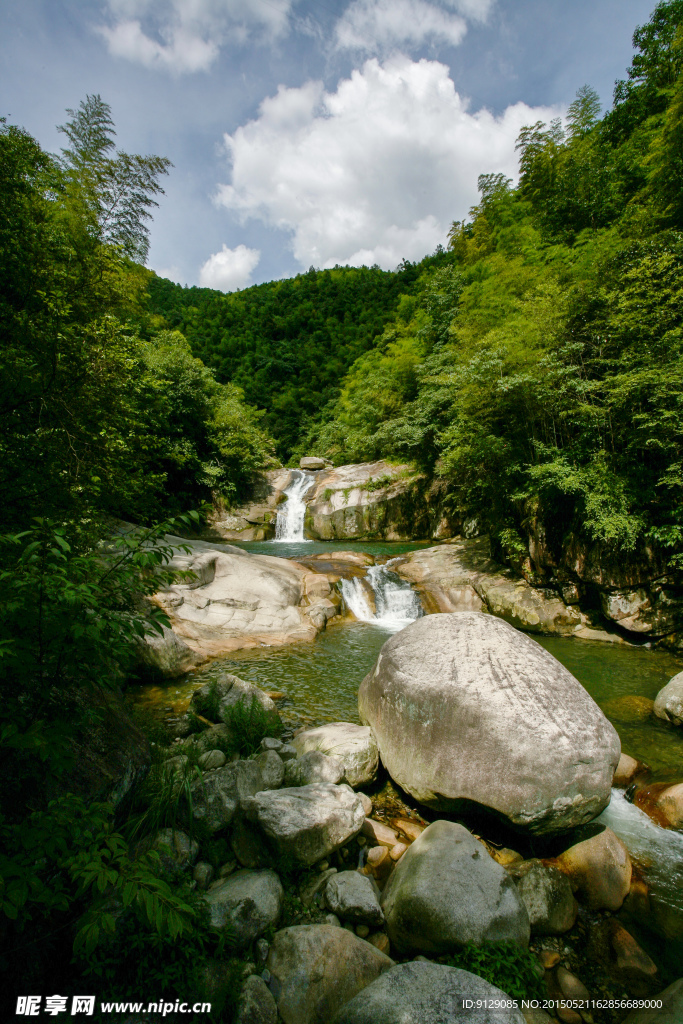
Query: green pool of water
(301, 549)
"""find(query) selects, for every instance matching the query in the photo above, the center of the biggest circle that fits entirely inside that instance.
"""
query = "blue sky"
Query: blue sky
(310, 132)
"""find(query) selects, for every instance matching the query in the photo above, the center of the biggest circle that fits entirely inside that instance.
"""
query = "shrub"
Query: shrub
(504, 964)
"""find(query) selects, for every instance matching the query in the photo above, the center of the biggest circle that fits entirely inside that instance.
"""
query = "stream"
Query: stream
(319, 683)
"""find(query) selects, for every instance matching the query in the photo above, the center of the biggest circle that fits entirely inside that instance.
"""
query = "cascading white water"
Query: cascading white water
(289, 525)
(396, 603)
(659, 850)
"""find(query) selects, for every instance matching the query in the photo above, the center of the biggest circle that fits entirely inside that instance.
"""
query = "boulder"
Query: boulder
(312, 462)
(632, 965)
(314, 767)
(427, 993)
(216, 699)
(234, 599)
(246, 903)
(599, 869)
(547, 896)
(670, 1011)
(272, 769)
(212, 759)
(216, 796)
(663, 803)
(462, 576)
(319, 968)
(216, 737)
(309, 822)
(352, 897)
(669, 701)
(166, 654)
(354, 745)
(176, 850)
(447, 891)
(256, 1004)
(466, 709)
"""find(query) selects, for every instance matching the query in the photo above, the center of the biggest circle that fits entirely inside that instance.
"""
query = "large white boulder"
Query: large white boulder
(426, 993)
(467, 709)
(447, 891)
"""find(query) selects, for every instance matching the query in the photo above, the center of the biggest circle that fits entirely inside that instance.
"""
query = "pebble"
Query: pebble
(381, 941)
(362, 931)
(271, 743)
(333, 920)
(323, 865)
(265, 974)
(549, 958)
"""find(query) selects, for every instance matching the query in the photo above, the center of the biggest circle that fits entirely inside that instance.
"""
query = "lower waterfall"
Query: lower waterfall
(289, 525)
(396, 603)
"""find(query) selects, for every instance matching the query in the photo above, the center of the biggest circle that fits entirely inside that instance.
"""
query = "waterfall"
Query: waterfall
(396, 603)
(289, 525)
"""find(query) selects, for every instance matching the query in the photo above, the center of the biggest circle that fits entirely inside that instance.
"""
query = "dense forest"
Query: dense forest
(288, 344)
(535, 365)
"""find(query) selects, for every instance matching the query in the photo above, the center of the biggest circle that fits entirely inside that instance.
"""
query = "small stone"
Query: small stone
(505, 856)
(271, 743)
(261, 947)
(333, 920)
(323, 865)
(361, 840)
(266, 975)
(570, 986)
(381, 942)
(367, 803)
(362, 931)
(203, 874)
(549, 958)
(287, 752)
(627, 770)
(212, 759)
(567, 1015)
(227, 868)
(379, 862)
(379, 833)
(410, 829)
(397, 851)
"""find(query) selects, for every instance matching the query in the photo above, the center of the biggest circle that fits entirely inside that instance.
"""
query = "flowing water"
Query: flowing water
(319, 681)
(289, 525)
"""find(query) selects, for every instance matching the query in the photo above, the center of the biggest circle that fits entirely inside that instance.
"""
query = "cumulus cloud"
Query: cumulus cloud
(229, 269)
(374, 172)
(380, 25)
(182, 36)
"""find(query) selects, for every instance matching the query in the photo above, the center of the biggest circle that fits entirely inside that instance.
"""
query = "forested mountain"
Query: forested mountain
(288, 343)
(540, 372)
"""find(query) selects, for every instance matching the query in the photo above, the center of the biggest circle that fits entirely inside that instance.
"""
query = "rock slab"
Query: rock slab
(426, 993)
(467, 709)
(318, 969)
(447, 891)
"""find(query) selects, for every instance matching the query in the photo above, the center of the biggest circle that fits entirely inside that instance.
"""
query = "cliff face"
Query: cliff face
(375, 501)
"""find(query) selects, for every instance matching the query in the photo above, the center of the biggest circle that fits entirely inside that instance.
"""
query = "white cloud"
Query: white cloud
(382, 25)
(229, 269)
(186, 35)
(374, 172)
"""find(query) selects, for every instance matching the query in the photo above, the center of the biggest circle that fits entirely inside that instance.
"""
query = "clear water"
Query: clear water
(306, 548)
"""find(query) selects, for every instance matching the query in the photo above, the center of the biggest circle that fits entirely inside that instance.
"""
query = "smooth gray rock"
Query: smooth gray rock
(547, 896)
(426, 993)
(309, 822)
(256, 1004)
(272, 769)
(447, 891)
(247, 902)
(669, 701)
(354, 745)
(671, 1011)
(351, 897)
(319, 968)
(216, 797)
(231, 690)
(212, 759)
(467, 709)
(314, 766)
(311, 462)
(271, 743)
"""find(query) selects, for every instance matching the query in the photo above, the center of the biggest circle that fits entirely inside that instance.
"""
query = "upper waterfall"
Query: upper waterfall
(289, 525)
(396, 603)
